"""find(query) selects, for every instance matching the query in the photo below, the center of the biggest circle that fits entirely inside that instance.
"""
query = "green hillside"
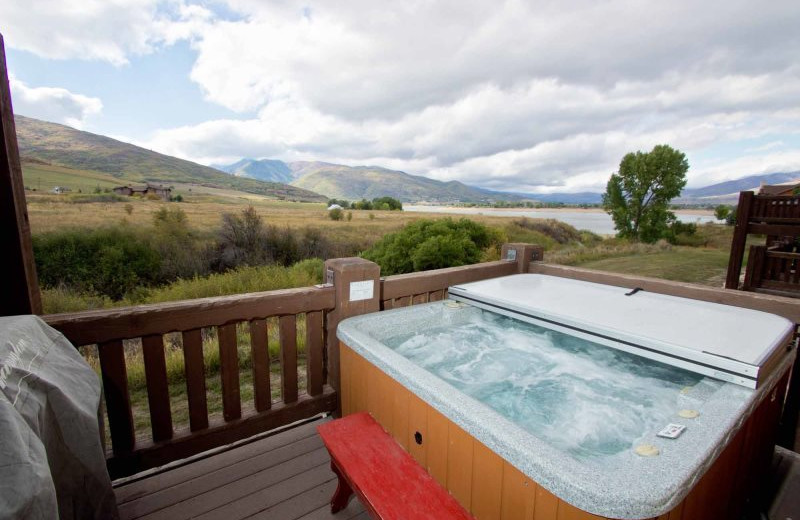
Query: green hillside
(368, 182)
(61, 145)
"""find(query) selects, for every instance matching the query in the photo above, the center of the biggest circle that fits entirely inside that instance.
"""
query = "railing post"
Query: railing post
(357, 288)
(523, 254)
(739, 239)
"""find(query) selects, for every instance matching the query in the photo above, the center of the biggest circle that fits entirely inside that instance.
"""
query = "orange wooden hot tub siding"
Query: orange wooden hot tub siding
(491, 488)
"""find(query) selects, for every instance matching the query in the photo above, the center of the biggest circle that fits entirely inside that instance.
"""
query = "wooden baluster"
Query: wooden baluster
(259, 348)
(314, 352)
(288, 333)
(155, 370)
(229, 372)
(743, 216)
(118, 401)
(194, 368)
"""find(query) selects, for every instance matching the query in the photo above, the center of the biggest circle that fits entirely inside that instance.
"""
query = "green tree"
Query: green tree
(336, 214)
(432, 244)
(387, 203)
(721, 212)
(637, 197)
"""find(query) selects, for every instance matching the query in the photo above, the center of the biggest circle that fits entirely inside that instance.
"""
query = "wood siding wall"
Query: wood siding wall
(491, 488)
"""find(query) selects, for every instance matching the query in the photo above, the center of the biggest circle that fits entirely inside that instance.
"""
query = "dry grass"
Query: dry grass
(51, 212)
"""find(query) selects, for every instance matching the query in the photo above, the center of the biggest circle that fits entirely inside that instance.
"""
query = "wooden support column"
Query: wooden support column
(523, 254)
(739, 239)
(357, 284)
(20, 293)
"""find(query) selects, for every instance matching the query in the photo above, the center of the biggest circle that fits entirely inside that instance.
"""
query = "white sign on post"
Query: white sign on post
(361, 290)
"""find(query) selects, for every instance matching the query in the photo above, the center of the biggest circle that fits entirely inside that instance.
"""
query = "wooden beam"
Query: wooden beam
(739, 239)
(346, 274)
(788, 230)
(87, 327)
(20, 293)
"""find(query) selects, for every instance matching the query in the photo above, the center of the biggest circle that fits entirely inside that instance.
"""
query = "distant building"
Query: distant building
(334, 206)
(162, 191)
(58, 190)
(779, 189)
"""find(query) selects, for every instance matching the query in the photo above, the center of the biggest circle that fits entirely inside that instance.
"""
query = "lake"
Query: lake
(596, 221)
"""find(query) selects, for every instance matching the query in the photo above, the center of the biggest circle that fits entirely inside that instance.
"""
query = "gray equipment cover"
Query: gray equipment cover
(51, 459)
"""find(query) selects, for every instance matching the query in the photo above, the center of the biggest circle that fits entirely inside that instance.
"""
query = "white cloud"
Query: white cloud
(104, 30)
(53, 103)
(511, 95)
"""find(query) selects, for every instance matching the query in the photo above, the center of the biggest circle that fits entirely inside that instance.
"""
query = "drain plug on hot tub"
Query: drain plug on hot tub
(418, 438)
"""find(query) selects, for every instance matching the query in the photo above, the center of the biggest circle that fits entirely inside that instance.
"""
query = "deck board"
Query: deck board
(285, 476)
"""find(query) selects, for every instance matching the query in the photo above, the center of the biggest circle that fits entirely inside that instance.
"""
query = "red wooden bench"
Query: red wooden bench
(389, 483)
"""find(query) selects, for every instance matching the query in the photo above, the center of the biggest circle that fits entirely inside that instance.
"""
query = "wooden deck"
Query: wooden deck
(284, 476)
(287, 476)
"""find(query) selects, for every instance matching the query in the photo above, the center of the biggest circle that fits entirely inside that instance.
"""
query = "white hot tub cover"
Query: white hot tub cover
(729, 343)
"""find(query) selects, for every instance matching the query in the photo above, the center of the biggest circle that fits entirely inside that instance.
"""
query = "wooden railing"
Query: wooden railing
(122, 334)
(773, 209)
(772, 271)
(773, 216)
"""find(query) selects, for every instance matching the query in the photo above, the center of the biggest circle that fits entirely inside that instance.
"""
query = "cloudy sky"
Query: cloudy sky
(535, 96)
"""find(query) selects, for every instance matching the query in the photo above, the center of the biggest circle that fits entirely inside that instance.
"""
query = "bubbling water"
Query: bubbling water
(581, 397)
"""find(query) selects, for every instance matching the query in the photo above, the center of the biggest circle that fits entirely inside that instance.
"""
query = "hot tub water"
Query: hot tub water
(581, 397)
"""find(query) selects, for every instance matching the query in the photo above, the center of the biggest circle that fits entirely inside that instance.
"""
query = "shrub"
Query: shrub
(559, 231)
(721, 212)
(181, 252)
(432, 244)
(336, 214)
(129, 208)
(730, 220)
(109, 261)
(387, 203)
(241, 240)
(683, 233)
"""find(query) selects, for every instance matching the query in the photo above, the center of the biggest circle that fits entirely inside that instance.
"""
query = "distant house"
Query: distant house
(779, 189)
(155, 189)
(58, 190)
(334, 206)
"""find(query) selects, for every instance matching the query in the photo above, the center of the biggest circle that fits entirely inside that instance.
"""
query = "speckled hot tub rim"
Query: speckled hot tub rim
(633, 487)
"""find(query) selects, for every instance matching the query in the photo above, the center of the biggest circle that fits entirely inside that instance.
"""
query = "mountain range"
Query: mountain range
(65, 146)
(357, 182)
(363, 182)
(301, 180)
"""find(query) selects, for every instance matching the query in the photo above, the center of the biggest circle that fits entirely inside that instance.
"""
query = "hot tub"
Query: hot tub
(521, 418)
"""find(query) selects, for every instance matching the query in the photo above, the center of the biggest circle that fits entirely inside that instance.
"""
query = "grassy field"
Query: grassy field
(44, 177)
(686, 264)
